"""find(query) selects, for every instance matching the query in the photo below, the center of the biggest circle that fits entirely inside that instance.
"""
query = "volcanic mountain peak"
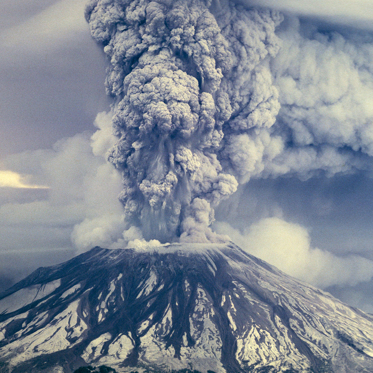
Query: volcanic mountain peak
(180, 306)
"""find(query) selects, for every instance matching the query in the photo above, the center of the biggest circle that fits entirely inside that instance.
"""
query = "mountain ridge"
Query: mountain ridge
(179, 306)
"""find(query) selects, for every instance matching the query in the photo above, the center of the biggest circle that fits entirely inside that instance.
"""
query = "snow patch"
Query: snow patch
(94, 349)
(148, 286)
(26, 296)
(71, 291)
(53, 337)
(231, 321)
(118, 350)
(4, 324)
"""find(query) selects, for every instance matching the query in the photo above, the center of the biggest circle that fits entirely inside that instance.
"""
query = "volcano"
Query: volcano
(204, 307)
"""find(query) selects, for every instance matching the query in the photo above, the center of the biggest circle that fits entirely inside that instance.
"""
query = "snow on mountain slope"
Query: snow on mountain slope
(197, 306)
(25, 296)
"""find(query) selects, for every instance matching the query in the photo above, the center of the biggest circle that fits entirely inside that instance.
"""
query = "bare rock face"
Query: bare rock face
(206, 307)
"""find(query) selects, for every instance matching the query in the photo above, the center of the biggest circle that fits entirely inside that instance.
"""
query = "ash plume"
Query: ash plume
(190, 80)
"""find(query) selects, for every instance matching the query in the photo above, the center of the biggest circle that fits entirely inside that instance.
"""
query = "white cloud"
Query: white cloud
(104, 220)
(82, 199)
(287, 246)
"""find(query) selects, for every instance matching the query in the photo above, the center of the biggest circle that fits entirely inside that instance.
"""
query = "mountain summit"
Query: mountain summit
(207, 307)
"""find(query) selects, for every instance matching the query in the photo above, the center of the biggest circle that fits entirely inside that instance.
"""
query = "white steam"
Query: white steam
(288, 247)
(103, 220)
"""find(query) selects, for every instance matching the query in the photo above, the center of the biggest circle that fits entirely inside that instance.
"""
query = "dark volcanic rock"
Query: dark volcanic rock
(190, 306)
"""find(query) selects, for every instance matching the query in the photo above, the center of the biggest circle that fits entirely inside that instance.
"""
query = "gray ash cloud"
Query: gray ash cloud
(210, 94)
(189, 78)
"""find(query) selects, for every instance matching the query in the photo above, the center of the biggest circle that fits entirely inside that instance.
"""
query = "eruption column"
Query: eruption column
(190, 81)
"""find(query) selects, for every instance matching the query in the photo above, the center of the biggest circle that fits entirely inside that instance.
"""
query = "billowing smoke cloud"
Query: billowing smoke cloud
(326, 93)
(189, 77)
(325, 84)
(209, 94)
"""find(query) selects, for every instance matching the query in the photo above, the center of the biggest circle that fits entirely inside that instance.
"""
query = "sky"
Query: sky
(312, 218)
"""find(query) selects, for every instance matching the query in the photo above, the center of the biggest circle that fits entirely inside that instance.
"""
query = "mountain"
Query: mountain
(207, 307)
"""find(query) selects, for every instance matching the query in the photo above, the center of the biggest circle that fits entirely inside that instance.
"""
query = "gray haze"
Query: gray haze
(47, 91)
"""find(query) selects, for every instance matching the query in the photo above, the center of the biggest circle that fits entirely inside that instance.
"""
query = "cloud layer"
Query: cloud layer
(50, 27)
(78, 211)
(357, 13)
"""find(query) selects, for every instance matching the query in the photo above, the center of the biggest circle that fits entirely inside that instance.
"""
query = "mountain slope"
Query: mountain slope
(196, 306)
